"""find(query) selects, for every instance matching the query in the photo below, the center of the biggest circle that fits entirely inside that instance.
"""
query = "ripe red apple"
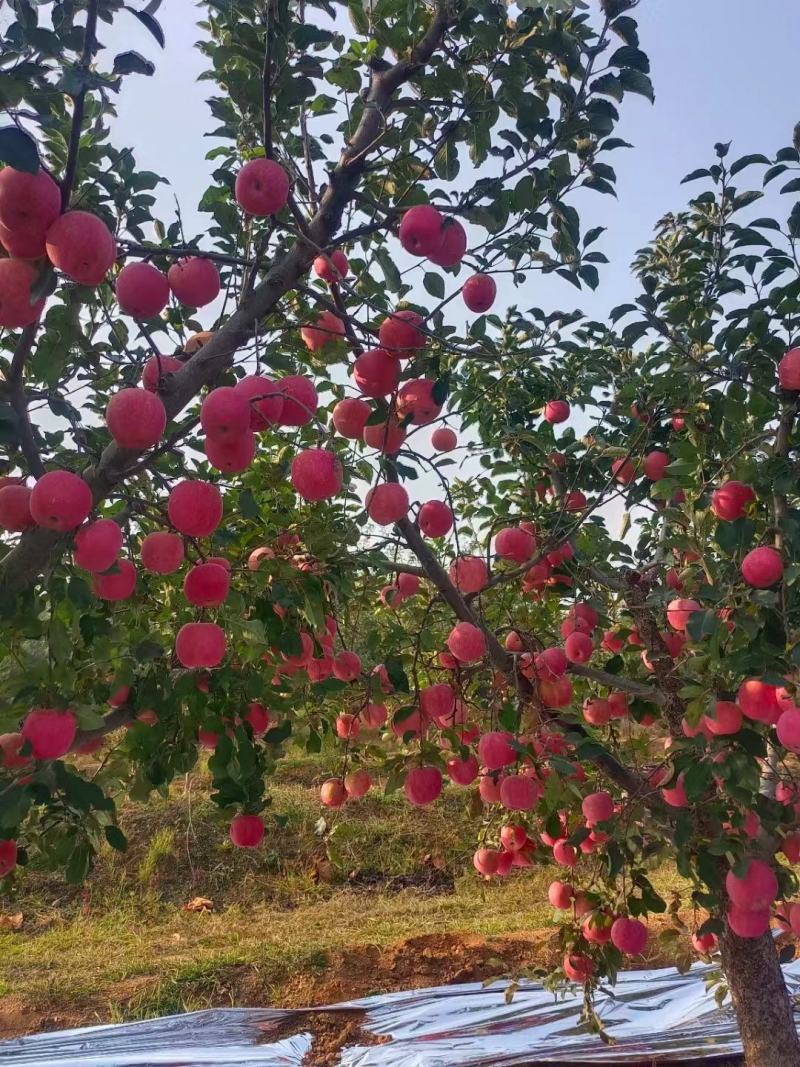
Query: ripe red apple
(22, 244)
(347, 725)
(349, 417)
(560, 895)
(788, 730)
(469, 574)
(400, 333)
(232, 455)
(225, 413)
(466, 642)
(264, 400)
(435, 518)
(551, 662)
(387, 503)
(757, 888)
(357, 783)
(655, 465)
(437, 701)
(28, 202)
(15, 507)
(162, 552)
(347, 666)
(479, 292)
(444, 439)
(300, 400)
(415, 401)
(328, 327)
(422, 785)
(194, 281)
(680, 611)
(624, 471)
(597, 712)
(629, 936)
(597, 807)
(788, 368)
(81, 246)
(515, 544)
(578, 647)
(408, 584)
(727, 718)
(675, 795)
(247, 831)
(555, 692)
(704, 943)
(564, 854)
(376, 373)
(49, 731)
(387, 437)
(136, 418)
(332, 268)
(317, 474)
(374, 716)
(16, 278)
(200, 644)
(97, 545)
(420, 230)
(195, 508)
(575, 500)
(678, 422)
(485, 861)
(333, 793)
(117, 583)
(261, 187)
(206, 585)
(8, 848)
(519, 792)
(142, 290)
(759, 701)
(730, 501)
(258, 717)
(495, 750)
(746, 923)
(60, 501)
(155, 368)
(556, 411)
(640, 413)
(452, 246)
(462, 771)
(762, 568)
(578, 967)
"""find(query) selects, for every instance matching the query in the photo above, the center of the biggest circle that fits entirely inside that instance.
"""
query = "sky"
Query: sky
(721, 73)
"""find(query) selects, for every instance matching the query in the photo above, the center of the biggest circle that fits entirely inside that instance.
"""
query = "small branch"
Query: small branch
(133, 248)
(78, 105)
(614, 681)
(266, 86)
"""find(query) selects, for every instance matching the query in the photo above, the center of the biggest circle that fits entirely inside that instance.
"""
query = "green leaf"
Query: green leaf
(634, 81)
(703, 172)
(133, 63)
(148, 22)
(18, 149)
(434, 284)
(116, 838)
(747, 161)
(791, 187)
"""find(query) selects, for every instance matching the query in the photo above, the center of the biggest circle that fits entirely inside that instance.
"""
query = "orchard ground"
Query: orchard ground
(400, 907)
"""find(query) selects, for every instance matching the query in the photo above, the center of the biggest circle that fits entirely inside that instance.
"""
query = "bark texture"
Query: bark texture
(761, 1001)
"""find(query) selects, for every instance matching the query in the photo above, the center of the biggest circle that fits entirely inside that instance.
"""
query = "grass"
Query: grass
(287, 925)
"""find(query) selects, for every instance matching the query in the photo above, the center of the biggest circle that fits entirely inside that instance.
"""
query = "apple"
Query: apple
(452, 246)
(420, 230)
(415, 401)
(264, 400)
(730, 501)
(16, 278)
(15, 507)
(247, 831)
(162, 552)
(762, 568)
(142, 290)
(117, 583)
(466, 643)
(194, 281)
(136, 418)
(328, 327)
(629, 936)
(444, 439)
(331, 268)
(556, 411)
(422, 785)
(435, 519)
(155, 368)
(515, 544)
(387, 503)
(317, 474)
(225, 413)
(347, 666)
(376, 373)
(261, 187)
(206, 585)
(788, 368)
(28, 202)
(300, 400)
(479, 292)
(655, 465)
(60, 501)
(386, 437)
(200, 644)
(49, 731)
(81, 246)
(400, 333)
(469, 574)
(97, 545)
(195, 508)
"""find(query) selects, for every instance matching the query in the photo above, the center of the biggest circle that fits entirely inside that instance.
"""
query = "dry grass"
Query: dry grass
(284, 918)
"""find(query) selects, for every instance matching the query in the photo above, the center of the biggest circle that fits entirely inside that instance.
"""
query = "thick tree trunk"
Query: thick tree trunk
(760, 1000)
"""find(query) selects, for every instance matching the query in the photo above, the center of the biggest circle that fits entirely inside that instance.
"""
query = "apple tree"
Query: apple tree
(299, 477)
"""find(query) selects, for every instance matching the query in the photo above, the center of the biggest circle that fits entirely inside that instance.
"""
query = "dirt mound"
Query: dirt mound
(331, 1033)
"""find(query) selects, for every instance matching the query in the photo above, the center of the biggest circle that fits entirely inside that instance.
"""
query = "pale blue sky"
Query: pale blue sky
(722, 69)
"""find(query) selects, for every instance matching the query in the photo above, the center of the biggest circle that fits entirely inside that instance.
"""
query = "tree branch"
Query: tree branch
(78, 104)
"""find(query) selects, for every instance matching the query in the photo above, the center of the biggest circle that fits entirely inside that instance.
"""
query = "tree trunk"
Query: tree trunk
(760, 1000)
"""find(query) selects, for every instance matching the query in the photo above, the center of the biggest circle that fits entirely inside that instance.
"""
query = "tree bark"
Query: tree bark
(761, 1001)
